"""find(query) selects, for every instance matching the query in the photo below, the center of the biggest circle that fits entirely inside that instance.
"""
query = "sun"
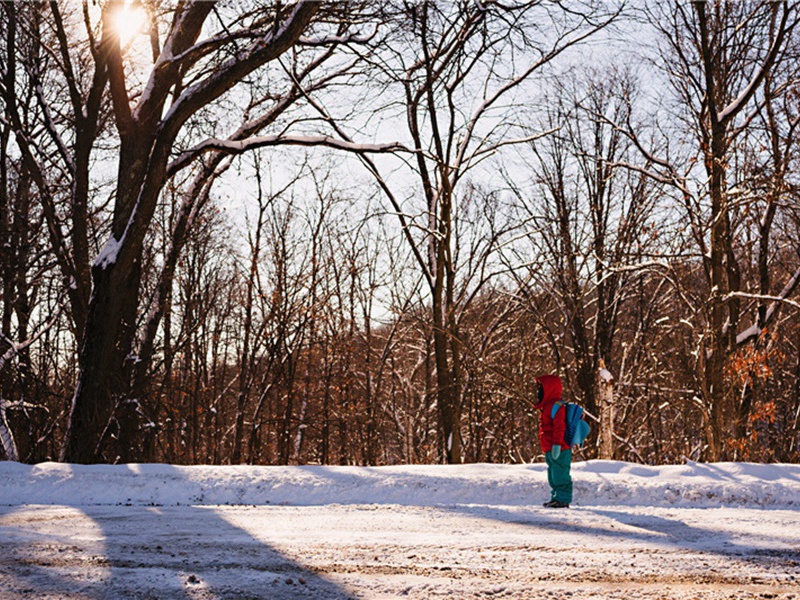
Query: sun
(129, 21)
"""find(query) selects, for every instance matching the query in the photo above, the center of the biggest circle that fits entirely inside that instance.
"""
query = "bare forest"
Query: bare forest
(354, 233)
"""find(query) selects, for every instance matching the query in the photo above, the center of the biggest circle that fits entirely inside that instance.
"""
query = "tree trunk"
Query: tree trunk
(714, 375)
(605, 396)
(102, 381)
(447, 396)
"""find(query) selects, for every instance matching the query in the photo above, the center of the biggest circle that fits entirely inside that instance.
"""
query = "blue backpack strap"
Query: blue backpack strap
(558, 404)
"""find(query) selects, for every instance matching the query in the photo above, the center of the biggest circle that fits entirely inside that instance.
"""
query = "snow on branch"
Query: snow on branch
(238, 66)
(6, 435)
(337, 39)
(108, 255)
(606, 377)
(191, 55)
(782, 298)
(240, 146)
(734, 107)
(15, 348)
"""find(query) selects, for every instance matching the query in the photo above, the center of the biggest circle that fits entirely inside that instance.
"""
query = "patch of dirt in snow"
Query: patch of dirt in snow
(548, 575)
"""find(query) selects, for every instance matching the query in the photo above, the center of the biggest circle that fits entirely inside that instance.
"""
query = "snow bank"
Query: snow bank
(596, 483)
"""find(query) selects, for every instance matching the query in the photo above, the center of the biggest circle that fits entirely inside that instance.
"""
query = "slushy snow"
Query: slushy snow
(723, 530)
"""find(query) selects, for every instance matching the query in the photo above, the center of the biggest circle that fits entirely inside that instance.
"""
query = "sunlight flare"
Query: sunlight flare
(129, 21)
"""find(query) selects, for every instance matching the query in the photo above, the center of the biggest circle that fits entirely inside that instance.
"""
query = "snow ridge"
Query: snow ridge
(596, 483)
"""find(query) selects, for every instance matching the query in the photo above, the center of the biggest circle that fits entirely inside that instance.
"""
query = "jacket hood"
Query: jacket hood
(552, 389)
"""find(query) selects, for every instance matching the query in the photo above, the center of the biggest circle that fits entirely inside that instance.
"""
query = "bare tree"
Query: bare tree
(181, 81)
(57, 127)
(719, 57)
(590, 219)
(443, 57)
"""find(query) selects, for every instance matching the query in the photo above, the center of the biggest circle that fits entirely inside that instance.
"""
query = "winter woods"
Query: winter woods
(340, 234)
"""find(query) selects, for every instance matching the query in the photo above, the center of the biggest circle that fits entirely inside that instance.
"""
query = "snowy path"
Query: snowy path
(328, 544)
(392, 551)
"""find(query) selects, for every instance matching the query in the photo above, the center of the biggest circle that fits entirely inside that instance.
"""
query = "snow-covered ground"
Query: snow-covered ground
(726, 530)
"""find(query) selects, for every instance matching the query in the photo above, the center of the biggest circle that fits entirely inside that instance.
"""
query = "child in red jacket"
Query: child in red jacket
(557, 452)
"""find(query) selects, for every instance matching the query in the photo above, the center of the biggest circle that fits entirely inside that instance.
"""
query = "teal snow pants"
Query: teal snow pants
(558, 476)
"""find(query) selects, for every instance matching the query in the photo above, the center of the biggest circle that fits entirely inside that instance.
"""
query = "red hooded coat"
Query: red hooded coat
(551, 430)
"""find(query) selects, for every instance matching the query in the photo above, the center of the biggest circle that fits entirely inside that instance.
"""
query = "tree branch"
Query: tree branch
(240, 146)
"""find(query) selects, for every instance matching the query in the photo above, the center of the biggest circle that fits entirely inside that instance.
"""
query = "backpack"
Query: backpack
(577, 427)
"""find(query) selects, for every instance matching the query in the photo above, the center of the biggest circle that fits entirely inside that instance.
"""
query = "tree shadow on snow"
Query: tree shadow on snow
(33, 565)
(638, 530)
(147, 552)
